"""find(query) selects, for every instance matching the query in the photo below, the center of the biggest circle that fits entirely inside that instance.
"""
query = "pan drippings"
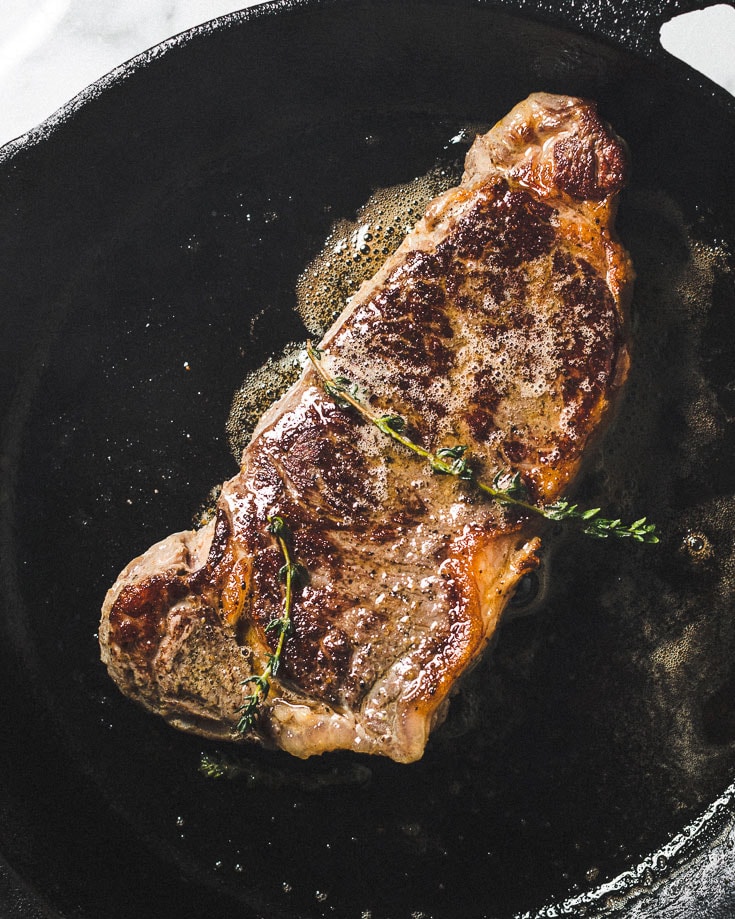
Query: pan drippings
(352, 253)
(669, 672)
(355, 249)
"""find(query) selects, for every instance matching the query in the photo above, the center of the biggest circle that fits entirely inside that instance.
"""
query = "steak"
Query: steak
(498, 324)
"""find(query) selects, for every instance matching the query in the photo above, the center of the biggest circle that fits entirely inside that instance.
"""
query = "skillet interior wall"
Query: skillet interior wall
(92, 202)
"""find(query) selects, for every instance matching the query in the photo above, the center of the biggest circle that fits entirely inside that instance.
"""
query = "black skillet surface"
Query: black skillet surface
(151, 237)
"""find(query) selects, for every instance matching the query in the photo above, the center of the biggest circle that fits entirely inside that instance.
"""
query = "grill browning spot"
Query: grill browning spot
(489, 334)
(498, 323)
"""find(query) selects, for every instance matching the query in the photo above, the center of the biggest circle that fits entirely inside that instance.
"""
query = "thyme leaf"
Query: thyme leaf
(455, 458)
(510, 484)
(601, 527)
(391, 424)
(507, 486)
(214, 766)
(291, 574)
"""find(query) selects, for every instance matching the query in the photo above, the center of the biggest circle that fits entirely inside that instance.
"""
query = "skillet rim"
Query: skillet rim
(66, 114)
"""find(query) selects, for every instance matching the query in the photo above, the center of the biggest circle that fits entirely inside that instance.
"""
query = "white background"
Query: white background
(52, 49)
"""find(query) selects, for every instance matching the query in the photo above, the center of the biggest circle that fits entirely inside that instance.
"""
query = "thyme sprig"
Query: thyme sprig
(290, 574)
(507, 486)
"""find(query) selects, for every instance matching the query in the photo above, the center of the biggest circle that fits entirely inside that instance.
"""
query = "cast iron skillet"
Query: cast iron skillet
(160, 222)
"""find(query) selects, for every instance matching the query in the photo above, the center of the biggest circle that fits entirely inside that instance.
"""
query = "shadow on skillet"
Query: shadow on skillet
(154, 242)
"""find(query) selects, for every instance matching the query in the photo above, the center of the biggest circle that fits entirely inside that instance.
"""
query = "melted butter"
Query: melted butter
(259, 390)
(667, 455)
(352, 252)
(355, 249)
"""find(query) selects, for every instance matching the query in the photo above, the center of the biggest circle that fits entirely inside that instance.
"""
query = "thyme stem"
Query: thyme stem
(507, 487)
(289, 573)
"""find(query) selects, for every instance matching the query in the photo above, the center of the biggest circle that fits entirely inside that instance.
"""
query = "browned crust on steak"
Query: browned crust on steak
(499, 324)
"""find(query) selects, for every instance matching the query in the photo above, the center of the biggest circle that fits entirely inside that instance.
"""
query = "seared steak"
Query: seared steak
(499, 324)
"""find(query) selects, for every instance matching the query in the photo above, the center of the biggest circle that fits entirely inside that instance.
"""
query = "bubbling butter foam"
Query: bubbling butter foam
(353, 251)
(259, 390)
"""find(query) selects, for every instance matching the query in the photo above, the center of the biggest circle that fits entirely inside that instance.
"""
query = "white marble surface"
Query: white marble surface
(52, 49)
(705, 39)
